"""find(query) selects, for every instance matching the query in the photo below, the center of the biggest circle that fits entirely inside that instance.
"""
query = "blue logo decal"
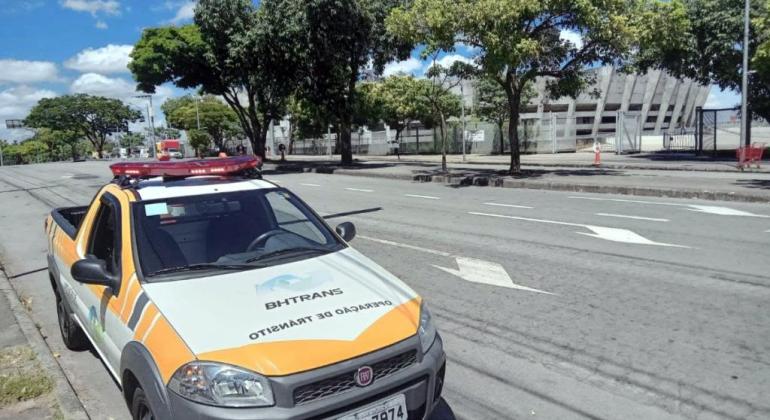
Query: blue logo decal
(294, 283)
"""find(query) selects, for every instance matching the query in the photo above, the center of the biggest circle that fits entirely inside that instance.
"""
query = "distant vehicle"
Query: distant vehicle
(210, 293)
(170, 148)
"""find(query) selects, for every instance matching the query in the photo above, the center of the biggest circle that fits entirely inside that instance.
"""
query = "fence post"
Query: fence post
(553, 133)
(699, 130)
(619, 133)
(715, 134)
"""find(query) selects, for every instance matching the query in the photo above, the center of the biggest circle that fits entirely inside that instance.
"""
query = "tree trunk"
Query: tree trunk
(514, 97)
(443, 142)
(502, 137)
(74, 148)
(263, 129)
(346, 150)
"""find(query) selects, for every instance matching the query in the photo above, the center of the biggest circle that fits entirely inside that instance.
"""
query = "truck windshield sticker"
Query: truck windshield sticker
(155, 209)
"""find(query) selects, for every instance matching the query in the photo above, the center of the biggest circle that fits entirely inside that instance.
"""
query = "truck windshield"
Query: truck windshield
(186, 236)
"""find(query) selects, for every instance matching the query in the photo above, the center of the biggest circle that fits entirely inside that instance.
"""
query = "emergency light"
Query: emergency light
(183, 169)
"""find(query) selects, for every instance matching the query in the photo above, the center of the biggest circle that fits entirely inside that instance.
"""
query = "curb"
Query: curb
(69, 404)
(501, 182)
(619, 166)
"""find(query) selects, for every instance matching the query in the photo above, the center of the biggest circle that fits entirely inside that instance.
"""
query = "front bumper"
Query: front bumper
(421, 384)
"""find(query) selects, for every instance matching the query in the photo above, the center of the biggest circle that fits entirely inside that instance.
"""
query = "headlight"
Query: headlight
(427, 329)
(222, 385)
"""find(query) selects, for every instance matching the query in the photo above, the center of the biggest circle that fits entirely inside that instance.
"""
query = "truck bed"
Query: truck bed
(69, 218)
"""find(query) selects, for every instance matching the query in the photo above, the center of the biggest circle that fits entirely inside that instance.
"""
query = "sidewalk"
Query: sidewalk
(648, 161)
(700, 184)
(32, 385)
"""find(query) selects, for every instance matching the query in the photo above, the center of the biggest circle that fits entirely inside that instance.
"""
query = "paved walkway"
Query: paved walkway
(702, 184)
(656, 161)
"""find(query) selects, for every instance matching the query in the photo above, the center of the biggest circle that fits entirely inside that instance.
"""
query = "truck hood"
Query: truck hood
(292, 317)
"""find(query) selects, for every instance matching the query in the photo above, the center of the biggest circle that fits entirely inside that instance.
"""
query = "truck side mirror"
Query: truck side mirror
(92, 271)
(346, 230)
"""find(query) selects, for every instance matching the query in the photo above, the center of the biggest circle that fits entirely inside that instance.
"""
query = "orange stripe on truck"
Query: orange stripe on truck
(167, 349)
(145, 321)
(289, 357)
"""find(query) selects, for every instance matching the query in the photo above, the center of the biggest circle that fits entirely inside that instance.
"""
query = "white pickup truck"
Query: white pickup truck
(212, 294)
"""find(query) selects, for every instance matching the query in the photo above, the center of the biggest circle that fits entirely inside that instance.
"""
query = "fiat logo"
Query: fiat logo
(364, 376)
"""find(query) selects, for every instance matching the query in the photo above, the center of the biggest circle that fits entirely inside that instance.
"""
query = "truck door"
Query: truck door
(104, 243)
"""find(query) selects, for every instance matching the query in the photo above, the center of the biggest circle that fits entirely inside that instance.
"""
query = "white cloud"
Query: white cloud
(99, 85)
(574, 37)
(16, 102)
(100, 24)
(105, 60)
(94, 7)
(21, 71)
(719, 98)
(447, 60)
(185, 12)
(408, 66)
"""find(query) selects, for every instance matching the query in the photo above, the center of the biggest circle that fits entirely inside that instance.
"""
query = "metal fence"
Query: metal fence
(718, 131)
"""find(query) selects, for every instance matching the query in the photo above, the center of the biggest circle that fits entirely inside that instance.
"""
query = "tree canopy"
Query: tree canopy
(230, 51)
(81, 115)
(702, 40)
(399, 101)
(215, 117)
(517, 41)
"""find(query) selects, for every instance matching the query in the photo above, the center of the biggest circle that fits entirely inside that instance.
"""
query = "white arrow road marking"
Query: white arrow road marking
(485, 272)
(623, 216)
(470, 269)
(718, 210)
(723, 211)
(515, 206)
(359, 190)
(601, 232)
(427, 197)
(623, 235)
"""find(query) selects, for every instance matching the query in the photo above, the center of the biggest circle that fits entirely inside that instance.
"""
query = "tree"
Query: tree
(336, 39)
(518, 41)
(199, 141)
(57, 141)
(234, 51)
(214, 117)
(81, 115)
(436, 91)
(702, 40)
(399, 101)
(492, 103)
(167, 132)
(132, 140)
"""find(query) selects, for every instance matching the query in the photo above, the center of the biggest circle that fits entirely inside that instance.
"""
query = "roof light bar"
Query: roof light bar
(183, 169)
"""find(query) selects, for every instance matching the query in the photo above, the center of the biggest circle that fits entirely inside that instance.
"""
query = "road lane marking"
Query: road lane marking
(427, 197)
(359, 190)
(623, 216)
(515, 206)
(599, 232)
(717, 210)
(407, 246)
(485, 272)
(310, 185)
(469, 269)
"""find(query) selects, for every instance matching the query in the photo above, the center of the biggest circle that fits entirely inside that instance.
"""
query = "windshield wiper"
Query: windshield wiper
(297, 250)
(201, 266)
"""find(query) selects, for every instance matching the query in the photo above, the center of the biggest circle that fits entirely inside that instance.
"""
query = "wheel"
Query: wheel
(74, 338)
(140, 407)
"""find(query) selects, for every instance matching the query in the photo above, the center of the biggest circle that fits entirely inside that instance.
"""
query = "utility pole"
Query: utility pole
(197, 113)
(462, 105)
(745, 124)
(329, 145)
(150, 122)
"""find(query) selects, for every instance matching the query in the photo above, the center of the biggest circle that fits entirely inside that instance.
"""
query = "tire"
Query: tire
(74, 338)
(140, 406)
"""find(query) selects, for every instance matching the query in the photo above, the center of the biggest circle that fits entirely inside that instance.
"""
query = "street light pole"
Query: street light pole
(151, 123)
(745, 77)
(197, 114)
(462, 105)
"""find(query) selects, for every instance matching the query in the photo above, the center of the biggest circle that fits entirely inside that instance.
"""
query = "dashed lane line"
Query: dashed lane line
(427, 197)
(515, 206)
(310, 185)
(359, 190)
(623, 216)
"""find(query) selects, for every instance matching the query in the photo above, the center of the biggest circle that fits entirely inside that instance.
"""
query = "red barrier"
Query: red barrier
(750, 154)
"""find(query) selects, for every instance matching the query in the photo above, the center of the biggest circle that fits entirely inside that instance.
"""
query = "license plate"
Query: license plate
(390, 409)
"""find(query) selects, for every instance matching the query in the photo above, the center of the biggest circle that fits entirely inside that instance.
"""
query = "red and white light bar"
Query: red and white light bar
(182, 169)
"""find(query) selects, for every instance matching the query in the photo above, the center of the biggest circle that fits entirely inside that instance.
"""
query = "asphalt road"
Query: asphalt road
(642, 307)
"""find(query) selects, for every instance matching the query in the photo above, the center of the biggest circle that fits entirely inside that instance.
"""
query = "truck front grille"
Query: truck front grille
(346, 381)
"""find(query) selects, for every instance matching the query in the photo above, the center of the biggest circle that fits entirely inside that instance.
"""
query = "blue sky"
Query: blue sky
(55, 47)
